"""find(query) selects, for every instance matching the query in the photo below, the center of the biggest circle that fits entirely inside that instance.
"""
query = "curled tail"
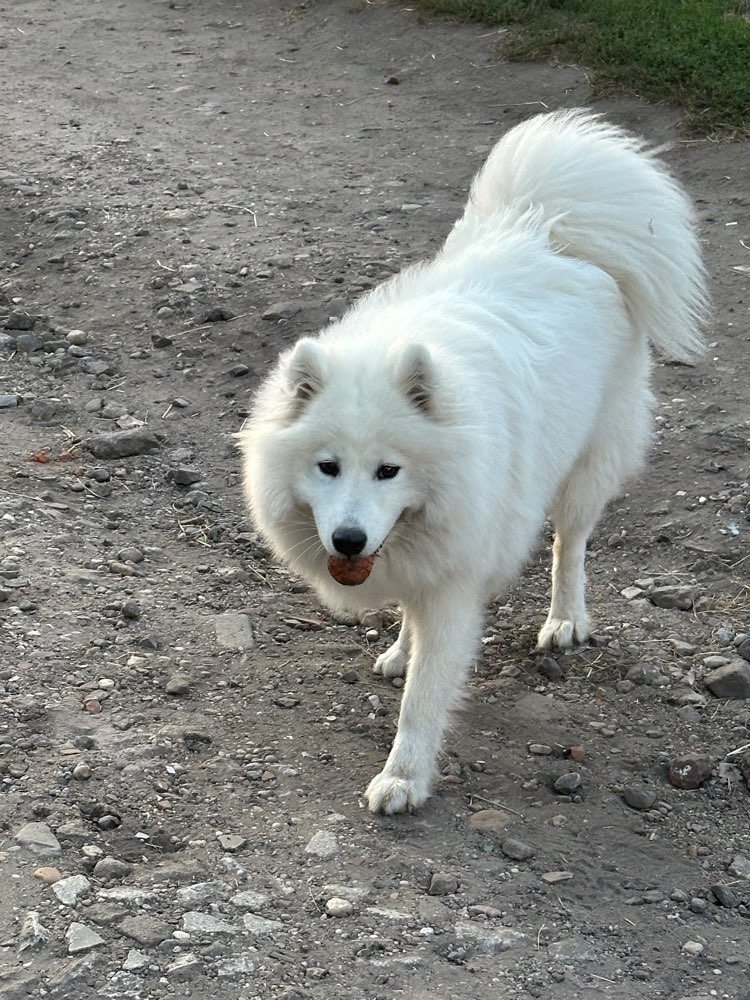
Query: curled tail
(606, 200)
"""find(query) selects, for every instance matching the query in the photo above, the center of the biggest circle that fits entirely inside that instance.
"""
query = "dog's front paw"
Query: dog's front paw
(388, 793)
(392, 663)
(562, 633)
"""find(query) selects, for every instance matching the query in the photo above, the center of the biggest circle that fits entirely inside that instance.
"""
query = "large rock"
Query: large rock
(730, 681)
(38, 837)
(122, 444)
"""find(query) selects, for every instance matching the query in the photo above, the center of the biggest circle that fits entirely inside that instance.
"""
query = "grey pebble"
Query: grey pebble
(184, 476)
(680, 598)
(69, 890)
(568, 783)
(7, 400)
(517, 849)
(322, 844)
(81, 937)
(195, 922)
(122, 444)
(130, 609)
(177, 686)
(111, 869)
(442, 884)
(19, 319)
(38, 838)
(148, 931)
(639, 798)
(725, 896)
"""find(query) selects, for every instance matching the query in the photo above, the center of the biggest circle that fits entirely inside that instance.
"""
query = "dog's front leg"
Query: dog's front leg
(445, 629)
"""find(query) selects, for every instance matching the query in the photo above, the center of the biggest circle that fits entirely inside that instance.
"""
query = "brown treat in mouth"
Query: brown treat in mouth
(350, 572)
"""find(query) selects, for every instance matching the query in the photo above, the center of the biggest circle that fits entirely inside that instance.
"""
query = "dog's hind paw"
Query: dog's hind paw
(562, 633)
(388, 793)
(392, 663)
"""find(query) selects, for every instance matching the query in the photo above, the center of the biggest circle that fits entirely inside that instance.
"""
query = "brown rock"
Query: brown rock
(690, 770)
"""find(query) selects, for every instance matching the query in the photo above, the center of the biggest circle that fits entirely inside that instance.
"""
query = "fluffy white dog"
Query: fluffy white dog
(410, 453)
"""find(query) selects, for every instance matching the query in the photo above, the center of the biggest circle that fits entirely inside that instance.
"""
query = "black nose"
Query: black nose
(349, 541)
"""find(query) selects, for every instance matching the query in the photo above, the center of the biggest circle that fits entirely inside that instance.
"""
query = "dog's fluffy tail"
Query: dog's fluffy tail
(605, 199)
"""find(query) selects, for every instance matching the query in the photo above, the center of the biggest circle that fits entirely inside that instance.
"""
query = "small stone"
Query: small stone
(714, 660)
(47, 875)
(82, 772)
(490, 820)
(260, 926)
(683, 648)
(130, 609)
(237, 371)
(730, 681)
(517, 849)
(122, 444)
(647, 673)
(38, 838)
(249, 899)
(7, 400)
(680, 598)
(540, 749)
(130, 554)
(725, 896)
(202, 893)
(568, 783)
(231, 841)
(744, 649)
(571, 950)
(111, 870)
(692, 948)
(698, 905)
(282, 310)
(237, 965)
(234, 631)
(33, 934)
(178, 686)
(631, 593)
(442, 884)
(690, 770)
(80, 938)
(322, 844)
(552, 878)
(19, 319)
(77, 337)
(337, 907)
(184, 967)
(577, 753)
(639, 798)
(184, 476)
(135, 961)
(487, 939)
(740, 866)
(550, 668)
(69, 890)
(148, 931)
(195, 922)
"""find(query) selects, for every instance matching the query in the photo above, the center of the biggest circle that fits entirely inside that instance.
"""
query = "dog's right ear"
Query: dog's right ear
(305, 370)
(415, 377)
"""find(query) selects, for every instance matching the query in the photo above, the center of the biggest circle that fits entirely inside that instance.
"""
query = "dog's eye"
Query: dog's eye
(387, 471)
(329, 468)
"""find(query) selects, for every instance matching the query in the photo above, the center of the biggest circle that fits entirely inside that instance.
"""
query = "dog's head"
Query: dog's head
(355, 438)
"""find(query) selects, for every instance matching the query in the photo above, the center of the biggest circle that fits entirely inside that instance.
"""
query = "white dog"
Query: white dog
(410, 453)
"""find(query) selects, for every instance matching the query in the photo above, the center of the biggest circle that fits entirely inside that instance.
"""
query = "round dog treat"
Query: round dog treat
(350, 572)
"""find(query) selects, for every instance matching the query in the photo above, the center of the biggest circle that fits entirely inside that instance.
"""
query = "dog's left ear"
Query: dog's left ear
(415, 375)
(306, 370)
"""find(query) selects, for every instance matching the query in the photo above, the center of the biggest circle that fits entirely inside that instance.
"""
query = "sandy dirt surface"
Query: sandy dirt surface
(185, 734)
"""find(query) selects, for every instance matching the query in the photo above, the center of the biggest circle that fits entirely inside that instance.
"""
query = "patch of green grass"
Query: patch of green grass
(693, 52)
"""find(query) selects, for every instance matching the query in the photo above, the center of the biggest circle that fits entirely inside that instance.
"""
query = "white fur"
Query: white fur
(508, 379)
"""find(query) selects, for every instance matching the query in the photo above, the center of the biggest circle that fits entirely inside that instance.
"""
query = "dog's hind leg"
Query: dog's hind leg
(614, 451)
(392, 663)
(444, 630)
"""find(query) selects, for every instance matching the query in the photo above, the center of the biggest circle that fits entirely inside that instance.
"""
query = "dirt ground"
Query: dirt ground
(185, 733)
